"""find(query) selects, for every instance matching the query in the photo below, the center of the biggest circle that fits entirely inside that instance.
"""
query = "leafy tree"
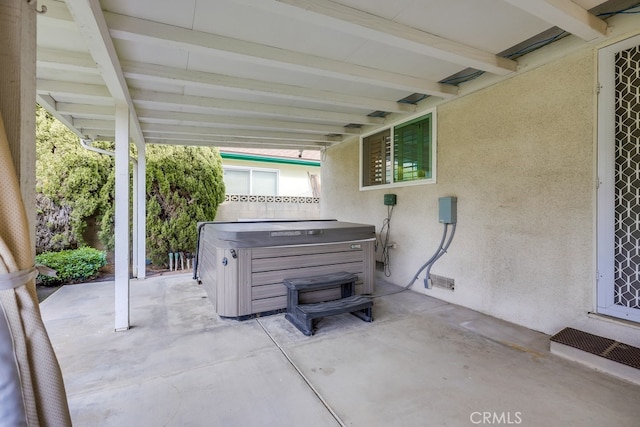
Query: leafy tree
(69, 180)
(184, 186)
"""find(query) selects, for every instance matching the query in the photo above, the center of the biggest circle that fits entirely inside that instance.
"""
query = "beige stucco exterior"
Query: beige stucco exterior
(519, 156)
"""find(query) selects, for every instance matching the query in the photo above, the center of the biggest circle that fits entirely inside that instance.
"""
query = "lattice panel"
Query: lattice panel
(627, 198)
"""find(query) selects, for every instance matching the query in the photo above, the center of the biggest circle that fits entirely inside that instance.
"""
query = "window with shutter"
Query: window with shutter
(399, 155)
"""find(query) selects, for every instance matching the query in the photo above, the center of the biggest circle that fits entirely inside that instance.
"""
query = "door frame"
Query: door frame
(605, 236)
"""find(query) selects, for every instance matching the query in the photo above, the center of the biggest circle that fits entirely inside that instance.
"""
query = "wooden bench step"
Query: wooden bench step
(303, 315)
(339, 306)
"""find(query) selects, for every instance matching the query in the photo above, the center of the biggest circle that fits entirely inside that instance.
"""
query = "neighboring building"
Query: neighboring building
(270, 184)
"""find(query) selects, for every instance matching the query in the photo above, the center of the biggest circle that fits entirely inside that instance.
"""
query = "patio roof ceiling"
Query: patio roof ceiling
(301, 74)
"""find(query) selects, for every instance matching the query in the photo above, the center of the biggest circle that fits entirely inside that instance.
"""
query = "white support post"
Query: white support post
(122, 220)
(134, 219)
(141, 189)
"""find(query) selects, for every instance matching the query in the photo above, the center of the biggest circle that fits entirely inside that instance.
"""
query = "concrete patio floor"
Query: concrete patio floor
(422, 362)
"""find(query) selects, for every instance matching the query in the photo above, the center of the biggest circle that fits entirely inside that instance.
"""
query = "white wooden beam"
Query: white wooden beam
(159, 73)
(565, 14)
(172, 132)
(129, 28)
(174, 117)
(49, 104)
(151, 99)
(86, 111)
(79, 90)
(94, 124)
(67, 61)
(242, 133)
(90, 20)
(372, 27)
(240, 142)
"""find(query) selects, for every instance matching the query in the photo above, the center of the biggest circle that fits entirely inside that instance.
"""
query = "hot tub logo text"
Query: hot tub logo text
(488, 417)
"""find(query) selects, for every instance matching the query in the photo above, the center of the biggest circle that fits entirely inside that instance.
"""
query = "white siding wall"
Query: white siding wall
(294, 180)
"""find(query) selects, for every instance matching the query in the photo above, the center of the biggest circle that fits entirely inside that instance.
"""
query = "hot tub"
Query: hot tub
(242, 264)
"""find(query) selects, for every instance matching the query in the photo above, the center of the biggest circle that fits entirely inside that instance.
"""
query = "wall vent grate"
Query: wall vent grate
(443, 282)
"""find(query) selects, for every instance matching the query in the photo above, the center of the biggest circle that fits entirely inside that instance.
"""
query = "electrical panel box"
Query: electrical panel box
(448, 210)
(390, 199)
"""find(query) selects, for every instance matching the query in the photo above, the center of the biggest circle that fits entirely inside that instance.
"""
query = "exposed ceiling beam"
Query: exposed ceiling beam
(239, 142)
(94, 124)
(86, 111)
(150, 99)
(241, 133)
(128, 28)
(90, 20)
(565, 14)
(80, 90)
(168, 131)
(49, 104)
(209, 121)
(372, 27)
(159, 73)
(66, 60)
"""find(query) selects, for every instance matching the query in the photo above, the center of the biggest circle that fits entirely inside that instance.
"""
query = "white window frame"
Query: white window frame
(251, 170)
(390, 127)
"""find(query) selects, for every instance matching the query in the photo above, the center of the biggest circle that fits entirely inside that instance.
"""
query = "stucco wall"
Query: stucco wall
(519, 156)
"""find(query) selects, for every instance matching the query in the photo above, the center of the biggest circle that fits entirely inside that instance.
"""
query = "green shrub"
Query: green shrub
(71, 266)
(184, 186)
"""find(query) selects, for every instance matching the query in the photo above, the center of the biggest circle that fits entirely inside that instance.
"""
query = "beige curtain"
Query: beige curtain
(31, 388)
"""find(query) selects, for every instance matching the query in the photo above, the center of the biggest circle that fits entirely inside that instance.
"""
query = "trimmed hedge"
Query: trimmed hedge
(71, 266)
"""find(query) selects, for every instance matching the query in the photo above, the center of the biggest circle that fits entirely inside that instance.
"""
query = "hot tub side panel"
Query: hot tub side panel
(245, 281)
(270, 266)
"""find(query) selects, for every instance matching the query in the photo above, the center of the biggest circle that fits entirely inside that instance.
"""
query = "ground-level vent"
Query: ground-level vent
(600, 346)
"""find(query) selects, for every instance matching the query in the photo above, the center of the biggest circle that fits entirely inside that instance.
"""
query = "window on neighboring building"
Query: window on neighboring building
(400, 154)
(251, 181)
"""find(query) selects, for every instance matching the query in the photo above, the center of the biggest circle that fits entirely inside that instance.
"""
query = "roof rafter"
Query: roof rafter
(240, 142)
(391, 33)
(128, 28)
(159, 73)
(92, 25)
(66, 60)
(83, 91)
(565, 14)
(151, 98)
(242, 133)
(148, 115)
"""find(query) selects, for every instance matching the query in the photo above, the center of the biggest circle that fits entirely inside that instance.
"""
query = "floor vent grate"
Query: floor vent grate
(600, 346)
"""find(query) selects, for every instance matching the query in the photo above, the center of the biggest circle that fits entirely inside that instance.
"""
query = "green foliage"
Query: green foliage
(71, 178)
(184, 186)
(71, 266)
(53, 227)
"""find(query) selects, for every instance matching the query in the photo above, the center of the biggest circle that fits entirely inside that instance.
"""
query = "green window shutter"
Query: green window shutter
(412, 150)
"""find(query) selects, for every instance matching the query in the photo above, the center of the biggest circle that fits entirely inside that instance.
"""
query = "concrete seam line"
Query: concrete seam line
(302, 375)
